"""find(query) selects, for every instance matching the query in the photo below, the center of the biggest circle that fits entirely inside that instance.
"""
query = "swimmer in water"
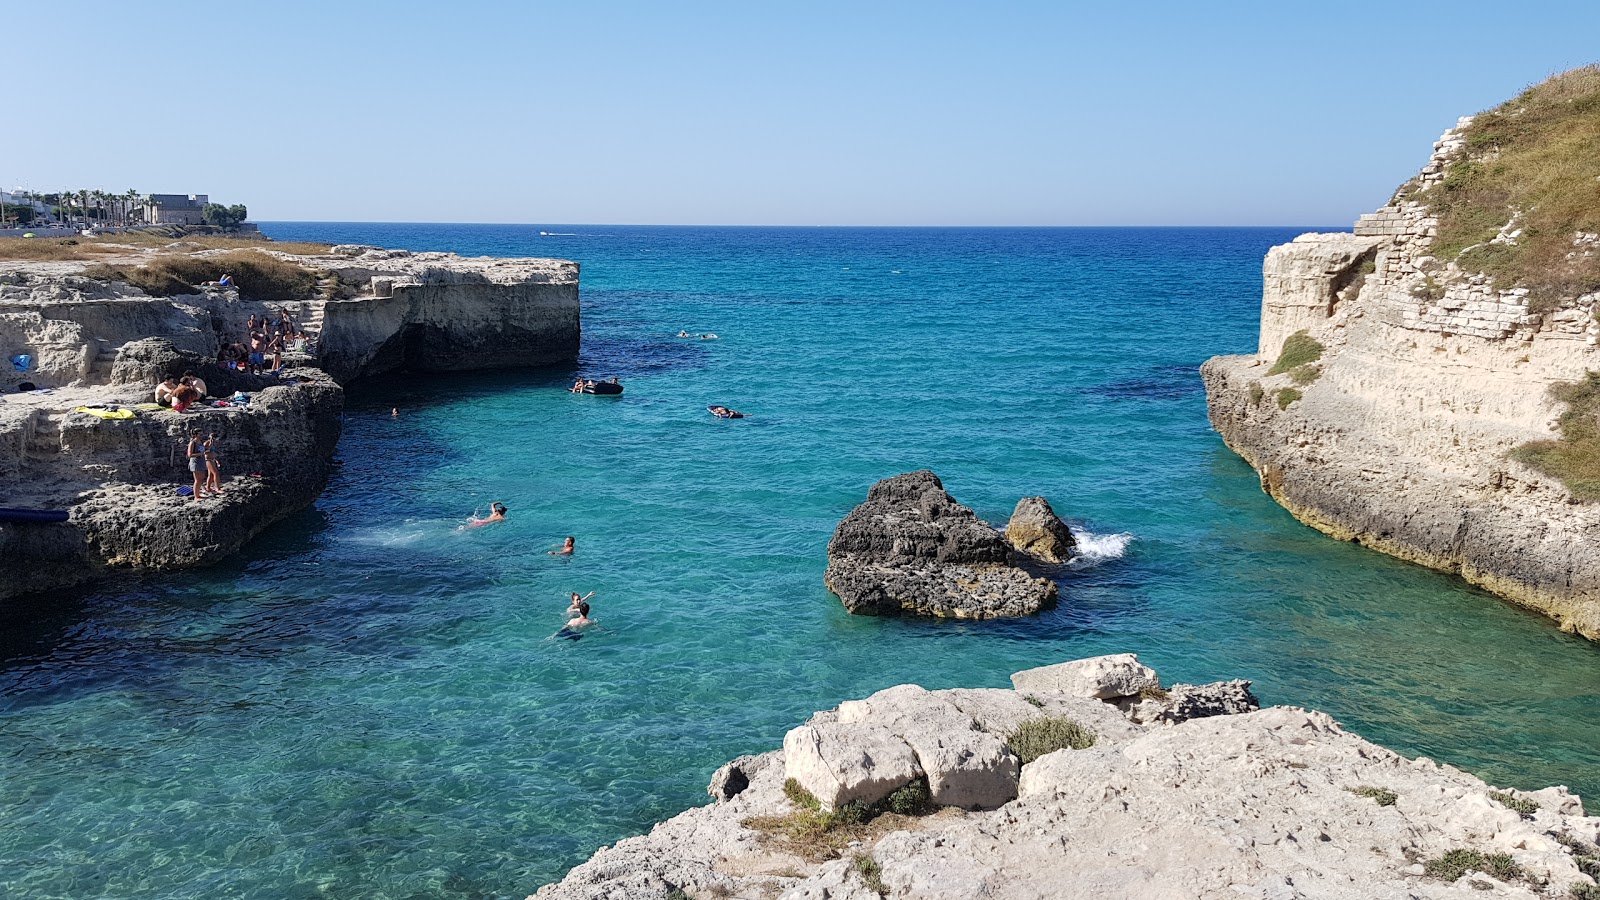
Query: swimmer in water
(684, 334)
(575, 607)
(708, 337)
(574, 628)
(497, 513)
(567, 546)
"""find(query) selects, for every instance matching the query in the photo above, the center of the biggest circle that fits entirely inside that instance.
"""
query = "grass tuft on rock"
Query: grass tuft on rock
(871, 873)
(1256, 393)
(1530, 163)
(1581, 891)
(1286, 397)
(1458, 862)
(816, 834)
(1380, 796)
(1575, 457)
(1299, 349)
(1047, 734)
(1519, 805)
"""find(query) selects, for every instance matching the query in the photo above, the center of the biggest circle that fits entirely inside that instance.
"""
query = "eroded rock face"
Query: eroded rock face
(856, 762)
(1399, 437)
(1036, 530)
(912, 549)
(1258, 804)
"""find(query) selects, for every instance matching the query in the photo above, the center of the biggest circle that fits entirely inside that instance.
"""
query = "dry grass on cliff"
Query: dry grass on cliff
(259, 276)
(219, 242)
(1536, 158)
(53, 249)
(1575, 458)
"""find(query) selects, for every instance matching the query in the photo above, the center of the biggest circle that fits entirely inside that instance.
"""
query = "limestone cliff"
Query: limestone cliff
(1391, 420)
(1228, 802)
(438, 312)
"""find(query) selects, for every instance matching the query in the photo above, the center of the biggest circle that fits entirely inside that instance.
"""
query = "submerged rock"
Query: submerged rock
(1036, 530)
(912, 549)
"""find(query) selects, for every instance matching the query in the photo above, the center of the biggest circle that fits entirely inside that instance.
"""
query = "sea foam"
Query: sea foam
(1094, 549)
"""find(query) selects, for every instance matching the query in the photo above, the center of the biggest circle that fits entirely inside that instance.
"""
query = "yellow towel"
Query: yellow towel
(106, 413)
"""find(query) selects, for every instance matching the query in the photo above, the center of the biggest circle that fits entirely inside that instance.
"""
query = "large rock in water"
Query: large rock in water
(911, 548)
(1036, 530)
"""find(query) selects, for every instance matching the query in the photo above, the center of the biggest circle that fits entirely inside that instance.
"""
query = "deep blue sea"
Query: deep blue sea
(367, 701)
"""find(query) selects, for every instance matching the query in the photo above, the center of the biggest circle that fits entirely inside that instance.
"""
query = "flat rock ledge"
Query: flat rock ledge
(911, 549)
(1270, 803)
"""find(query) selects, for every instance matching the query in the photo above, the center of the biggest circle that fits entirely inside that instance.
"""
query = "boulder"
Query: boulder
(911, 548)
(1036, 530)
(843, 763)
(965, 766)
(147, 361)
(1098, 678)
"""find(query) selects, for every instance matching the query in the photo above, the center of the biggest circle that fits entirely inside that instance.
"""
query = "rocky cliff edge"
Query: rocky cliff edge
(1395, 376)
(1276, 803)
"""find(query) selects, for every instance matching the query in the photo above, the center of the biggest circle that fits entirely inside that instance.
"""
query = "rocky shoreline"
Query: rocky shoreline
(1393, 420)
(1151, 793)
(97, 344)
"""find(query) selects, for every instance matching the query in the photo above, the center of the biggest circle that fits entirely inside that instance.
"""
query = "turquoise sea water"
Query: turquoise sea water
(366, 702)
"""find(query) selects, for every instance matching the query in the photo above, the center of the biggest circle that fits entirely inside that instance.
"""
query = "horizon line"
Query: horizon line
(768, 225)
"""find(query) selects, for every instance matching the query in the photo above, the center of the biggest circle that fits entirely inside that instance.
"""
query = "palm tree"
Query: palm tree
(132, 198)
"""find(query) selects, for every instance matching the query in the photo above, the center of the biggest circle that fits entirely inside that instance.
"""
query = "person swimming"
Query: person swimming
(497, 513)
(722, 412)
(684, 334)
(567, 546)
(573, 608)
(573, 630)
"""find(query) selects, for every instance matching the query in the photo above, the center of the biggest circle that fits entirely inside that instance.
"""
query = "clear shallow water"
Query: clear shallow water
(366, 701)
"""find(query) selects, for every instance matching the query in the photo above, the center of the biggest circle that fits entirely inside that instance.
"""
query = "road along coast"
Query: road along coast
(89, 337)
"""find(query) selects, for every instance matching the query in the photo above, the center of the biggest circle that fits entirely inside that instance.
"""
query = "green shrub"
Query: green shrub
(1299, 349)
(1033, 700)
(1256, 393)
(1047, 734)
(912, 800)
(1582, 891)
(1519, 805)
(1574, 459)
(1304, 375)
(871, 873)
(1287, 396)
(1456, 863)
(677, 893)
(1380, 796)
(1428, 289)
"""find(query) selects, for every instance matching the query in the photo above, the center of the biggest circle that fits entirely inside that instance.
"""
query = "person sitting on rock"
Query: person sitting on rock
(225, 281)
(194, 381)
(165, 389)
(184, 397)
(567, 546)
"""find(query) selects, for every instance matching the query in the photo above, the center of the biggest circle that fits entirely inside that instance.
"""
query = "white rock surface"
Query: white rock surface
(1257, 805)
(965, 766)
(856, 762)
(1098, 678)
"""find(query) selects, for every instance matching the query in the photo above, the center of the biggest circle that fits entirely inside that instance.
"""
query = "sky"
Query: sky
(764, 113)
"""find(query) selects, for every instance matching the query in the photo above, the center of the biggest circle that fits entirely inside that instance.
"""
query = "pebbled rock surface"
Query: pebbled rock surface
(1252, 805)
(912, 549)
(1036, 530)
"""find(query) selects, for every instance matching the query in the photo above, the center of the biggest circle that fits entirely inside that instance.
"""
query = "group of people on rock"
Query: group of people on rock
(265, 337)
(181, 393)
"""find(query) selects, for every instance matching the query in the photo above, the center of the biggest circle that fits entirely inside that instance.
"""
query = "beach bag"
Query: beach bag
(21, 362)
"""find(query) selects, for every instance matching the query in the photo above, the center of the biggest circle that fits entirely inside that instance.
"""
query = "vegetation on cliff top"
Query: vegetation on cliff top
(69, 249)
(259, 276)
(1533, 164)
(1575, 457)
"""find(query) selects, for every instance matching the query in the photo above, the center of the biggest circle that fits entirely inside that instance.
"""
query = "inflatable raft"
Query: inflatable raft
(33, 516)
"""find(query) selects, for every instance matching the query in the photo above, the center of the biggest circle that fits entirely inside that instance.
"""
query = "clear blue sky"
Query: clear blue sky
(915, 113)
